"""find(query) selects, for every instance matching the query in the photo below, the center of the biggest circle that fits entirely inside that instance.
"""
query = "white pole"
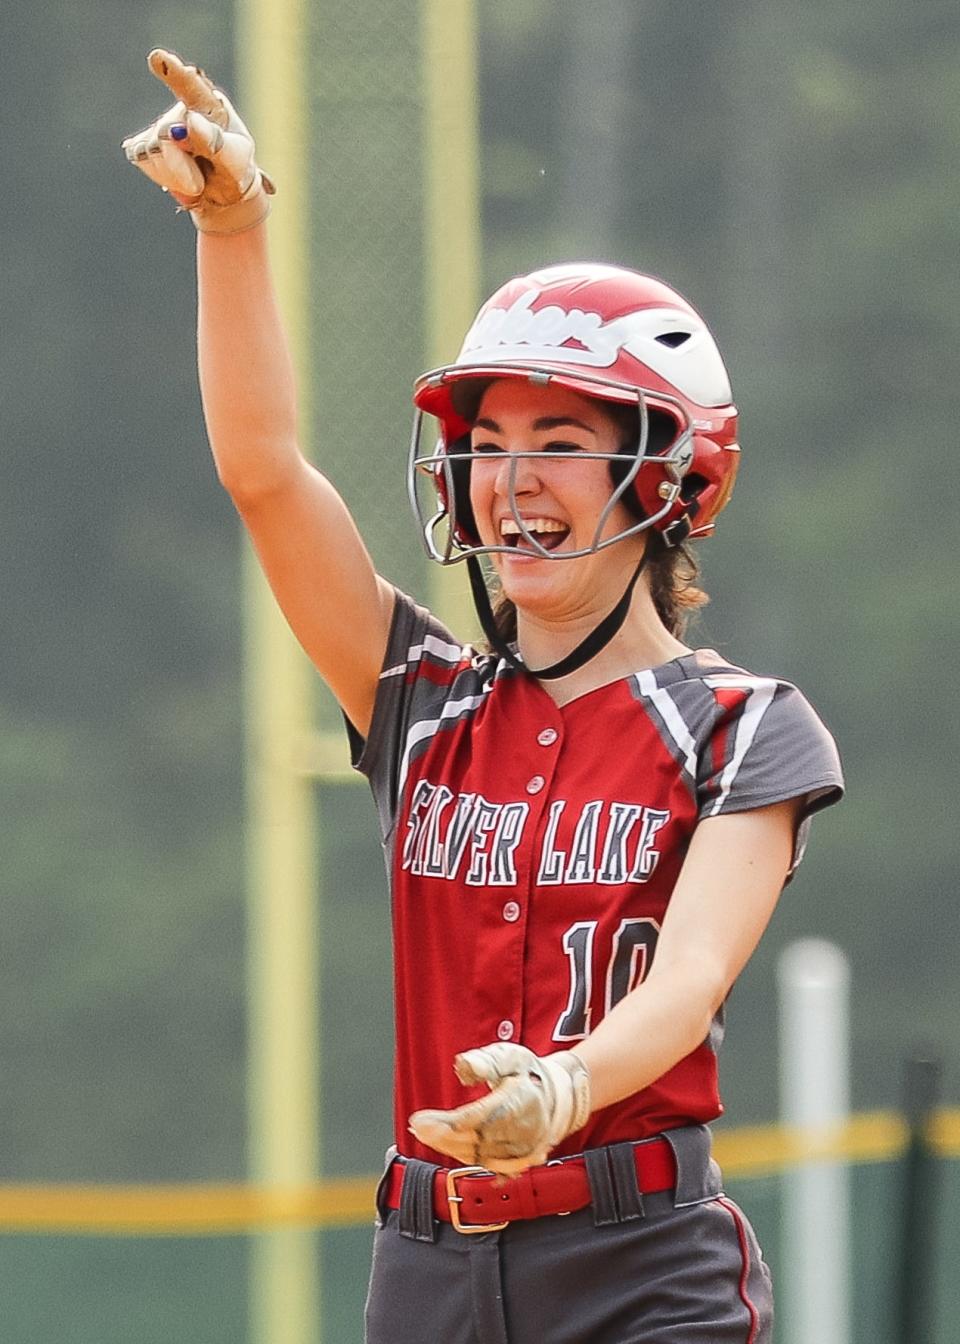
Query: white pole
(814, 980)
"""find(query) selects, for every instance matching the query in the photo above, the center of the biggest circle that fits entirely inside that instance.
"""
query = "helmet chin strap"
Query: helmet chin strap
(588, 648)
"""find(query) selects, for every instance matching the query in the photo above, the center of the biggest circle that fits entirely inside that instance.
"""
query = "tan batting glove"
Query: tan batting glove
(201, 152)
(534, 1103)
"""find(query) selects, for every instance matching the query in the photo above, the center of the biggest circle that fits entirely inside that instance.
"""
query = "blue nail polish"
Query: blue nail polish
(178, 132)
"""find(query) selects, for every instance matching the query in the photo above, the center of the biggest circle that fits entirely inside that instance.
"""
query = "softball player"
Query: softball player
(586, 828)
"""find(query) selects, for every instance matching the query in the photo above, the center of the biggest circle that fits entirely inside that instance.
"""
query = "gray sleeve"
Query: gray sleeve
(766, 744)
(400, 700)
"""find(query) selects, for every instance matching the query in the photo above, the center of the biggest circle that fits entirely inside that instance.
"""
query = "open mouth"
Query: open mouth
(547, 532)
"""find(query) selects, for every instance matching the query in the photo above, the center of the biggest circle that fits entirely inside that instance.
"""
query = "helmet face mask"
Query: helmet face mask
(609, 334)
(443, 477)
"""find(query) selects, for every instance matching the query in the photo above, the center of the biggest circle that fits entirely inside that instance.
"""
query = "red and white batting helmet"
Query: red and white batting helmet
(605, 332)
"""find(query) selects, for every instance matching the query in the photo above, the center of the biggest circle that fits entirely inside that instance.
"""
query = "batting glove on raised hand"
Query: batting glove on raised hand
(533, 1104)
(201, 152)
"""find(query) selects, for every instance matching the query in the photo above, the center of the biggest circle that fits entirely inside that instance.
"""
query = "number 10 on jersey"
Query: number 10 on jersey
(627, 962)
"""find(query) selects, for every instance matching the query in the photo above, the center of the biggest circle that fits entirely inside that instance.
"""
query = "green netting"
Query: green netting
(367, 312)
(367, 257)
(355, 1014)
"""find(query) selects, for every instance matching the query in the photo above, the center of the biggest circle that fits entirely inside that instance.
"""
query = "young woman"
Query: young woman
(587, 828)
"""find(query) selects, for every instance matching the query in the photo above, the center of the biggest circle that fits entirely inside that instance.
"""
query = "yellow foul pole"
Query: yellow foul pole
(451, 220)
(282, 883)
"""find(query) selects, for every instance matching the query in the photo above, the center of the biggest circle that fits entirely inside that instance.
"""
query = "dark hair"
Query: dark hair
(671, 571)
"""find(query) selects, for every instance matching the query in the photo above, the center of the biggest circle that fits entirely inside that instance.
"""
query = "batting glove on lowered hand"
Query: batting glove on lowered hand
(201, 152)
(533, 1104)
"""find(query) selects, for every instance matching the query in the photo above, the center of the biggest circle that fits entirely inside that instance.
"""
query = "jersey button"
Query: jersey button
(547, 737)
(536, 784)
(511, 912)
(505, 1030)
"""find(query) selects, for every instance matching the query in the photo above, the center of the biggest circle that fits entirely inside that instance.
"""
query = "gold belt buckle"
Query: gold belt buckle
(454, 1201)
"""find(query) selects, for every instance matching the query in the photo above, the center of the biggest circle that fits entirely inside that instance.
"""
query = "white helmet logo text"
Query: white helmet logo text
(693, 365)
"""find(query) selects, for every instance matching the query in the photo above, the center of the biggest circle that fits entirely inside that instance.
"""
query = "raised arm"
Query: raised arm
(306, 540)
(309, 548)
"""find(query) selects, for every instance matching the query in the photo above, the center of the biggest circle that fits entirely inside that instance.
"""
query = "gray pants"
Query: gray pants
(680, 1267)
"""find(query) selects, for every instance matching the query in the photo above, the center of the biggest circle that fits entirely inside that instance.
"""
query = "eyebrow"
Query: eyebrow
(544, 422)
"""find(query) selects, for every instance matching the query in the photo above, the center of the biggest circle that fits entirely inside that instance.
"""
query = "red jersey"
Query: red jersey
(532, 849)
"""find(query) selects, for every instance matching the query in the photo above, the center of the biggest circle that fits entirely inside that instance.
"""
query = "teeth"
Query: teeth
(508, 526)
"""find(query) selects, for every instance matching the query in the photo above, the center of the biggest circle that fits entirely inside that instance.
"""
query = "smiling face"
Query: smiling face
(559, 499)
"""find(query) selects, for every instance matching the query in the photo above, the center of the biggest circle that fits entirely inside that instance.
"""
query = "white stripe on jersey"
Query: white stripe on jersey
(449, 653)
(760, 693)
(672, 718)
(426, 728)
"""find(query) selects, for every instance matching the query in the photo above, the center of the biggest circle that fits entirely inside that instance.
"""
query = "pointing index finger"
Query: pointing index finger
(188, 84)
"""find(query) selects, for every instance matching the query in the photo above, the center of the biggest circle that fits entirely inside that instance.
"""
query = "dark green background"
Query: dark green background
(795, 173)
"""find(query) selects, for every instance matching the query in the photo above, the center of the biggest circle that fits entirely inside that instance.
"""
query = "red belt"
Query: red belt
(470, 1198)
